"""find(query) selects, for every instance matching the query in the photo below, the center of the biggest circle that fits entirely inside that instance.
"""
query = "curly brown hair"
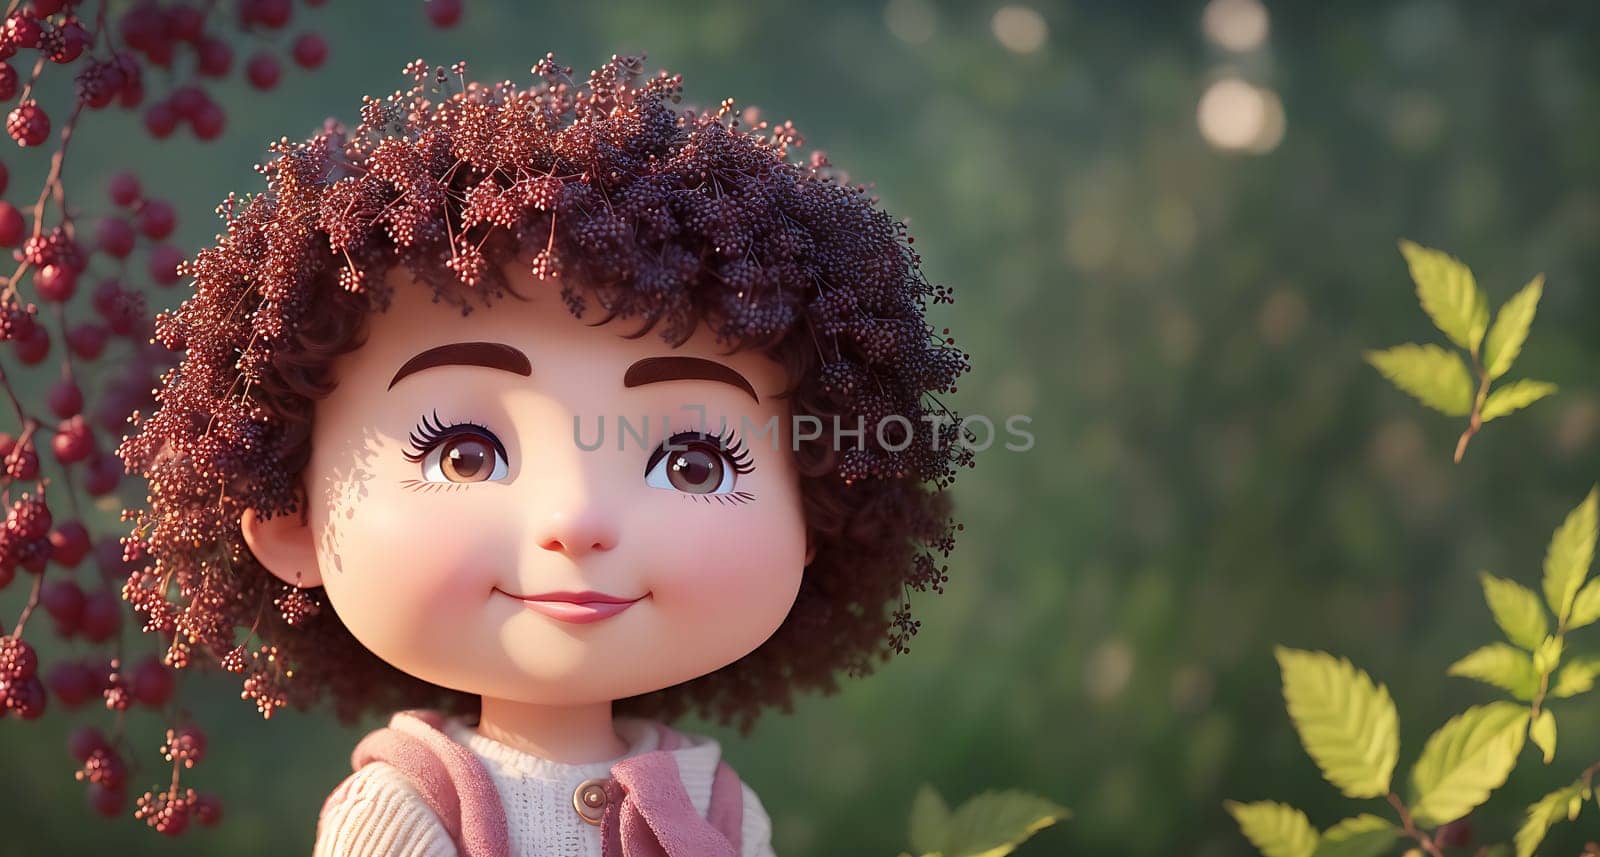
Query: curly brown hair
(673, 217)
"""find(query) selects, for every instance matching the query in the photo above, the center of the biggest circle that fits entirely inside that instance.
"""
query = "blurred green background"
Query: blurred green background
(1171, 230)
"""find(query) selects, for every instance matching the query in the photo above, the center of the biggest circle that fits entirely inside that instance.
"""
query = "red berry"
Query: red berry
(132, 94)
(74, 441)
(160, 119)
(271, 14)
(8, 82)
(124, 189)
(310, 50)
(104, 473)
(32, 351)
(72, 683)
(156, 219)
(102, 616)
(34, 555)
(11, 225)
(71, 542)
(87, 739)
(213, 57)
(108, 802)
(115, 237)
(87, 339)
(46, 8)
(187, 100)
(208, 809)
(99, 84)
(28, 124)
(27, 698)
(173, 824)
(164, 262)
(5, 177)
(184, 22)
(71, 41)
(65, 399)
(55, 282)
(209, 121)
(107, 296)
(443, 13)
(18, 660)
(153, 683)
(263, 71)
(23, 30)
(23, 463)
(64, 601)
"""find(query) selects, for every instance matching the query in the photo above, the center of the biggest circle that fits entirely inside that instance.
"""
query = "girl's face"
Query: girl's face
(435, 538)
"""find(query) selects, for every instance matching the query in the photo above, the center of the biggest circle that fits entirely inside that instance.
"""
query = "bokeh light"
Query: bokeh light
(1020, 29)
(1239, 116)
(1237, 25)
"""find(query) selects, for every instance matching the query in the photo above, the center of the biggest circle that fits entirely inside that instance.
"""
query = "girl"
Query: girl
(423, 456)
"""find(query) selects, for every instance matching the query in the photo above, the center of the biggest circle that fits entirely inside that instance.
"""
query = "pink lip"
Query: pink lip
(577, 607)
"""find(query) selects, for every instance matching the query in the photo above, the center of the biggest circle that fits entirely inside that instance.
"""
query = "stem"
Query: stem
(1475, 420)
(1411, 828)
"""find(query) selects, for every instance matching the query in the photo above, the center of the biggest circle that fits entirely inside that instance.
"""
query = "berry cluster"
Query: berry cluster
(672, 218)
(71, 299)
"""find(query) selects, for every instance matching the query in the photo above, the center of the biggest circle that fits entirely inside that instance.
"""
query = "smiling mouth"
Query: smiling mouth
(579, 608)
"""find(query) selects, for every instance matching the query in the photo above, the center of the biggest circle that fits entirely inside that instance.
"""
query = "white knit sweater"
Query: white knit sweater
(376, 812)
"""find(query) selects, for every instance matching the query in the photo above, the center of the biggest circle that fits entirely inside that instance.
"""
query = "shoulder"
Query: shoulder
(755, 826)
(376, 812)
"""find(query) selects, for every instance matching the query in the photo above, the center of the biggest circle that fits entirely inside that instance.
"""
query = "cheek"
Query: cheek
(398, 573)
(724, 564)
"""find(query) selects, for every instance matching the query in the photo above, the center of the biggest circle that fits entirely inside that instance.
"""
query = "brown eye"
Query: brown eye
(694, 466)
(466, 458)
(696, 470)
(458, 454)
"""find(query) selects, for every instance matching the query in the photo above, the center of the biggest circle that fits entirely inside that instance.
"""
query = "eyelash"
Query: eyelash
(726, 440)
(425, 437)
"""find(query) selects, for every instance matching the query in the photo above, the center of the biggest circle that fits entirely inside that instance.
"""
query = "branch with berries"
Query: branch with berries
(155, 60)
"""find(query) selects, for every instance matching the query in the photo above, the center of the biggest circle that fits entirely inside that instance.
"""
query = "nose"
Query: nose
(579, 533)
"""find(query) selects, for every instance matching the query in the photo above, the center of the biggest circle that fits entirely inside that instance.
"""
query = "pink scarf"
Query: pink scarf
(648, 812)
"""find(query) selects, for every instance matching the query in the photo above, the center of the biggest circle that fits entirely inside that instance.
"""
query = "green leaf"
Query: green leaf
(1449, 294)
(1348, 725)
(1516, 610)
(1514, 397)
(930, 818)
(1548, 655)
(1566, 563)
(996, 822)
(1510, 328)
(1467, 758)
(1586, 606)
(1504, 667)
(1364, 835)
(1275, 829)
(1433, 376)
(1543, 733)
(1576, 676)
(1544, 814)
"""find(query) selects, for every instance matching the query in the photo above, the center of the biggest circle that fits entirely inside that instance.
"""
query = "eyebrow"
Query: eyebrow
(653, 370)
(494, 355)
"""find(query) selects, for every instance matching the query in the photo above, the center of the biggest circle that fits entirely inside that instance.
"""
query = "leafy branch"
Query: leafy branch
(991, 824)
(1349, 725)
(1439, 377)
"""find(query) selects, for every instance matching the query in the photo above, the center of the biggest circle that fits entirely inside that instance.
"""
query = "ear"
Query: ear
(811, 548)
(284, 545)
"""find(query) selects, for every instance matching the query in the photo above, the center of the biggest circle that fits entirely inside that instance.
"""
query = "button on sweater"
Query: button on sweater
(376, 812)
